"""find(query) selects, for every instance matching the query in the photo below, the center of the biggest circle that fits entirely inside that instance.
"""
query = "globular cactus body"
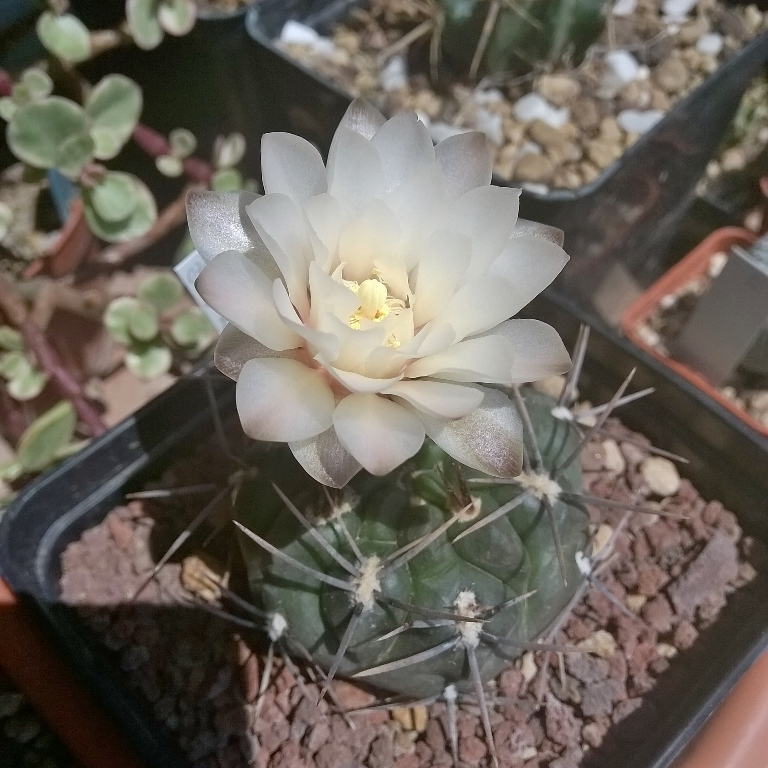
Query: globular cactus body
(508, 558)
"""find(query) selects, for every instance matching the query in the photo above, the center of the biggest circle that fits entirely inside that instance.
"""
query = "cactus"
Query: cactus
(397, 617)
(515, 36)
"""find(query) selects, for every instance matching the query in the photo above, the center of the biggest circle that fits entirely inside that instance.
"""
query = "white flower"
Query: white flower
(368, 301)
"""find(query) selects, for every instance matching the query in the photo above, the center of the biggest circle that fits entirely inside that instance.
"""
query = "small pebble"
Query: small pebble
(528, 667)
(661, 475)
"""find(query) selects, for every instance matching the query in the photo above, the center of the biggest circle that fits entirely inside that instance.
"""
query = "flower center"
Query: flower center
(376, 303)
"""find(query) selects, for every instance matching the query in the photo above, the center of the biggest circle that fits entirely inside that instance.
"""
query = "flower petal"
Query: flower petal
(438, 398)
(404, 145)
(235, 348)
(486, 359)
(329, 296)
(373, 235)
(291, 166)
(363, 118)
(281, 225)
(526, 228)
(218, 222)
(325, 458)
(237, 289)
(356, 382)
(466, 161)
(430, 339)
(380, 434)
(354, 345)
(355, 175)
(489, 439)
(325, 217)
(283, 401)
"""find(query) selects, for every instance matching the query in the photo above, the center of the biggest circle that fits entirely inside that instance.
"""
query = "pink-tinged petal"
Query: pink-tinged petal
(445, 258)
(380, 434)
(235, 348)
(530, 264)
(283, 401)
(291, 166)
(325, 459)
(526, 228)
(489, 439)
(326, 343)
(282, 227)
(404, 145)
(374, 235)
(438, 398)
(466, 162)
(218, 222)
(355, 175)
(356, 382)
(363, 118)
(237, 289)
(487, 359)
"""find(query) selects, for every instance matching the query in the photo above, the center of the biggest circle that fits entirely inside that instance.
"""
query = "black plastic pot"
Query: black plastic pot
(618, 227)
(59, 507)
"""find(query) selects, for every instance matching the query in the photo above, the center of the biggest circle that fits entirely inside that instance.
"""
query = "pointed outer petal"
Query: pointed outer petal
(281, 225)
(437, 398)
(325, 217)
(328, 296)
(530, 264)
(326, 459)
(354, 345)
(318, 341)
(355, 175)
(444, 261)
(481, 304)
(356, 382)
(404, 145)
(489, 439)
(487, 215)
(537, 350)
(235, 348)
(380, 434)
(283, 401)
(525, 228)
(363, 118)
(218, 222)
(237, 289)
(373, 235)
(393, 272)
(466, 161)
(487, 360)
(291, 166)
(430, 339)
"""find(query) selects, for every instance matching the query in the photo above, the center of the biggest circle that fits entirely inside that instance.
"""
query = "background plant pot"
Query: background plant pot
(692, 266)
(618, 227)
(58, 508)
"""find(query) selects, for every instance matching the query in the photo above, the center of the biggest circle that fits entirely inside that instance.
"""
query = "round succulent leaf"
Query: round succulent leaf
(8, 108)
(29, 386)
(37, 131)
(117, 318)
(193, 329)
(6, 219)
(143, 322)
(162, 290)
(148, 361)
(229, 150)
(141, 219)
(64, 36)
(107, 143)
(46, 436)
(74, 155)
(38, 83)
(183, 142)
(14, 364)
(143, 23)
(169, 165)
(177, 17)
(21, 95)
(115, 105)
(114, 197)
(226, 180)
(10, 338)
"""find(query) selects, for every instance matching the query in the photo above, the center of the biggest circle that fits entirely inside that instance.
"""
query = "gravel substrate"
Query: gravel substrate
(201, 675)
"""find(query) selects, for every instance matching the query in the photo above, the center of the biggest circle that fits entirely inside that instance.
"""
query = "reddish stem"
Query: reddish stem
(6, 83)
(156, 145)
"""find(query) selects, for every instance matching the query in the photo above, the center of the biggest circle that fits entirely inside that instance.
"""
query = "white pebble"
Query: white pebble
(296, 33)
(623, 65)
(624, 7)
(661, 475)
(601, 643)
(613, 459)
(716, 263)
(528, 667)
(491, 96)
(440, 131)
(677, 10)
(535, 187)
(638, 121)
(491, 124)
(394, 75)
(533, 106)
(529, 148)
(710, 44)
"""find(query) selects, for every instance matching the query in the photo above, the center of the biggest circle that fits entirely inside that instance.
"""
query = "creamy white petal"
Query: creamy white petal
(283, 400)
(489, 439)
(355, 175)
(530, 264)
(291, 166)
(466, 161)
(526, 228)
(235, 348)
(325, 217)
(393, 272)
(432, 338)
(404, 145)
(325, 458)
(281, 225)
(329, 296)
(238, 290)
(444, 260)
(380, 434)
(438, 398)
(218, 222)
(363, 118)
(356, 382)
(487, 359)
(373, 235)
(354, 345)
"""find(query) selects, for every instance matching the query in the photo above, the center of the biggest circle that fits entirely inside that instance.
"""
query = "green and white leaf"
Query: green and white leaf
(142, 324)
(114, 197)
(227, 180)
(141, 219)
(14, 365)
(183, 142)
(29, 386)
(46, 436)
(117, 318)
(38, 83)
(177, 17)
(169, 166)
(148, 361)
(192, 329)
(143, 23)
(64, 36)
(10, 339)
(8, 108)
(74, 154)
(162, 290)
(229, 150)
(114, 106)
(6, 219)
